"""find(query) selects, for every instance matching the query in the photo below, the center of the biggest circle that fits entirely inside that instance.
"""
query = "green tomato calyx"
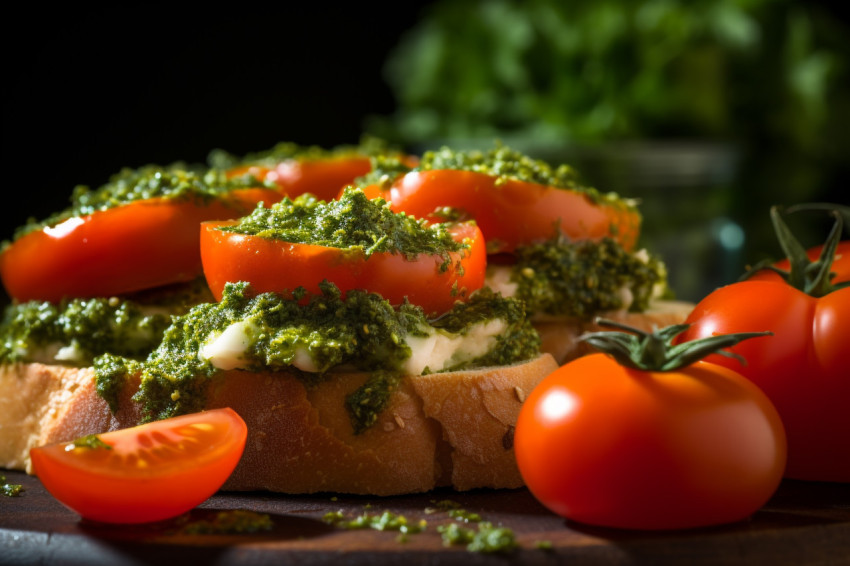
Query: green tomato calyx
(655, 351)
(811, 277)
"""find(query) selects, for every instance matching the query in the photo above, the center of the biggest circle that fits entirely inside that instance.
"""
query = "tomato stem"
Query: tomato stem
(655, 351)
(811, 277)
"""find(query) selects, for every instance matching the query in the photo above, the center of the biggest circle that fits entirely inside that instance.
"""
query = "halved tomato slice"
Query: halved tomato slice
(513, 213)
(147, 473)
(135, 246)
(321, 177)
(429, 281)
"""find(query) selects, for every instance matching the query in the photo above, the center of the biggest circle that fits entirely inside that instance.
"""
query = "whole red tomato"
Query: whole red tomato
(805, 367)
(613, 446)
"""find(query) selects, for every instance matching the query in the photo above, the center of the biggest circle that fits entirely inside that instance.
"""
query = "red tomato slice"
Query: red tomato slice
(271, 265)
(513, 213)
(152, 472)
(322, 178)
(128, 248)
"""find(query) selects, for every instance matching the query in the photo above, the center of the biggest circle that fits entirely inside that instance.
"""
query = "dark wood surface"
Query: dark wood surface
(804, 523)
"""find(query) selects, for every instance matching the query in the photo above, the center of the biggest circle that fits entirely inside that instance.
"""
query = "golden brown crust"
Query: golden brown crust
(560, 336)
(452, 429)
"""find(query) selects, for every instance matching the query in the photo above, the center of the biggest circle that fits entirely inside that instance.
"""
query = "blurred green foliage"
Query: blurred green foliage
(766, 77)
(597, 70)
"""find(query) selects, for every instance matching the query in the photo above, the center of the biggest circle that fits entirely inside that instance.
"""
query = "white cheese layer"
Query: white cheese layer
(442, 350)
(436, 351)
(225, 350)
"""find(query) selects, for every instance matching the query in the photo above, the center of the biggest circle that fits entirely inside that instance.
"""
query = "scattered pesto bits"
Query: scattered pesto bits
(130, 185)
(90, 441)
(10, 489)
(487, 538)
(584, 278)
(352, 222)
(386, 521)
(231, 522)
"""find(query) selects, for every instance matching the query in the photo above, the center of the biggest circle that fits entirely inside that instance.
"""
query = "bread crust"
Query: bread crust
(449, 429)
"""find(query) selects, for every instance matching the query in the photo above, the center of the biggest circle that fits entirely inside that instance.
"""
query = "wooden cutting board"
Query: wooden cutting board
(804, 523)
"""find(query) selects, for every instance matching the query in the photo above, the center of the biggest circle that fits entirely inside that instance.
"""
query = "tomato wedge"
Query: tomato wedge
(273, 265)
(146, 473)
(128, 248)
(513, 213)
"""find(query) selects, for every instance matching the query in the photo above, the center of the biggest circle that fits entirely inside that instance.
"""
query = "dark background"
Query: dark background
(88, 91)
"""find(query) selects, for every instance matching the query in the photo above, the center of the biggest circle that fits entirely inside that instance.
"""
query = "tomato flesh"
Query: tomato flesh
(275, 266)
(605, 445)
(513, 213)
(152, 472)
(128, 248)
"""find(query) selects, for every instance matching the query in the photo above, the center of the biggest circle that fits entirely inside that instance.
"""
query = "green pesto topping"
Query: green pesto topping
(145, 183)
(235, 521)
(506, 163)
(386, 521)
(309, 338)
(353, 222)
(283, 151)
(385, 169)
(519, 341)
(10, 489)
(487, 538)
(75, 331)
(584, 278)
(90, 441)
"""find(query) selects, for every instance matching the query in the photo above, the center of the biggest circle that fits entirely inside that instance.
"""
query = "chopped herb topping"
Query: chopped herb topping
(506, 163)
(352, 222)
(487, 538)
(584, 278)
(386, 521)
(145, 183)
(283, 151)
(385, 169)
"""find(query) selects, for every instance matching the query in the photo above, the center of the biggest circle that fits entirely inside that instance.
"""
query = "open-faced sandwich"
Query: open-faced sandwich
(370, 361)
(377, 345)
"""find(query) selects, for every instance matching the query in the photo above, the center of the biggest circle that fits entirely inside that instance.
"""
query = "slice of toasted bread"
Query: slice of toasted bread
(446, 429)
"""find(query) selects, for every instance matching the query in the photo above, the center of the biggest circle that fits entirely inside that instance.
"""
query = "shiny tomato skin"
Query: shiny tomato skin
(152, 472)
(512, 213)
(281, 267)
(605, 445)
(128, 248)
(802, 368)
